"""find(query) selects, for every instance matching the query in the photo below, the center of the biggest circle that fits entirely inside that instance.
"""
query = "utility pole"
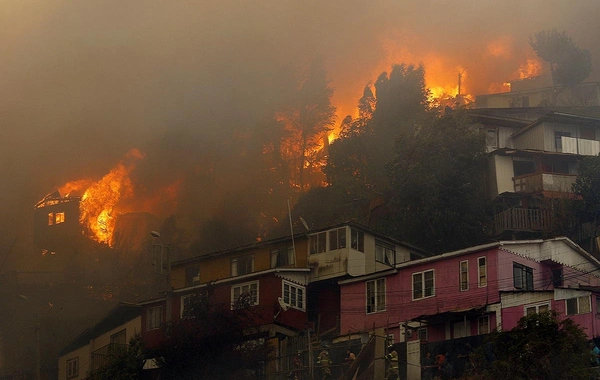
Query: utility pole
(165, 255)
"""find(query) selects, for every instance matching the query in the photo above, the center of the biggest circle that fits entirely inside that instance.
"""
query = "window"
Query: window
(385, 253)
(558, 138)
(318, 243)
(482, 264)
(119, 338)
(522, 277)
(522, 166)
(192, 275)
(282, 257)
(375, 295)
(293, 295)
(337, 239)
(422, 334)
(357, 240)
(185, 305)
(249, 290)
(464, 275)
(483, 325)
(390, 340)
(578, 305)
(242, 265)
(557, 277)
(153, 317)
(491, 138)
(50, 218)
(423, 284)
(537, 309)
(59, 217)
(72, 368)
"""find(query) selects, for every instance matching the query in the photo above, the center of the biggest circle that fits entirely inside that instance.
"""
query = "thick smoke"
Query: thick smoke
(85, 81)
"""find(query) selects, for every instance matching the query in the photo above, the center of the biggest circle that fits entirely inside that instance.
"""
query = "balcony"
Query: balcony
(539, 182)
(522, 219)
(584, 147)
(102, 355)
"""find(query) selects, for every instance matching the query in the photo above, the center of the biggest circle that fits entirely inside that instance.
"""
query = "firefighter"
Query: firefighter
(393, 372)
(324, 361)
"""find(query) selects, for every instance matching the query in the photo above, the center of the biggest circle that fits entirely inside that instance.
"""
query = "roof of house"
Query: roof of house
(304, 235)
(120, 314)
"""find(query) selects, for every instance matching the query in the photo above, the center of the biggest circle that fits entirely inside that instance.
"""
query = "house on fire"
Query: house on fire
(56, 221)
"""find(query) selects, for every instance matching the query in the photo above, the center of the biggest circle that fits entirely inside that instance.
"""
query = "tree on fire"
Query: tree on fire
(569, 64)
(212, 341)
(404, 170)
(308, 120)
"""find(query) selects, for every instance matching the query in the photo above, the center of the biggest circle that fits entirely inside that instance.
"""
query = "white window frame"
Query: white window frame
(317, 243)
(463, 271)
(385, 253)
(154, 317)
(483, 321)
(579, 303)
(375, 301)
(337, 239)
(482, 277)
(423, 287)
(357, 240)
(255, 297)
(536, 307)
(235, 265)
(72, 367)
(294, 295)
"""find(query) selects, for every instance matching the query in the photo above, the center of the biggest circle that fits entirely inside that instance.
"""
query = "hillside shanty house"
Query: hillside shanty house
(56, 221)
(533, 158)
(292, 283)
(91, 349)
(425, 304)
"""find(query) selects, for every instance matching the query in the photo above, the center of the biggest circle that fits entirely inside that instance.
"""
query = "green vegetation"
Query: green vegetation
(542, 346)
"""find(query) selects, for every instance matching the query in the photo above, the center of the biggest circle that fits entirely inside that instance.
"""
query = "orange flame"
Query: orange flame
(531, 68)
(97, 207)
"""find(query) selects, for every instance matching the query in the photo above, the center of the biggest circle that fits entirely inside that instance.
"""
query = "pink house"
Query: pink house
(474, 291)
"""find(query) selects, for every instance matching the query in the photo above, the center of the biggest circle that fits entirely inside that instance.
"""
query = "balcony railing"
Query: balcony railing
(523, 219)
(102, 355)
(580, 146)
(532, 183)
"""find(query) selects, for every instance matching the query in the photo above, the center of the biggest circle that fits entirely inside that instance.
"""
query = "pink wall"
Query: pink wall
(399, 304)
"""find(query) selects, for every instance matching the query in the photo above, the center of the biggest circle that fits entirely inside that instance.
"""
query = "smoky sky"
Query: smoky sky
(84, 81)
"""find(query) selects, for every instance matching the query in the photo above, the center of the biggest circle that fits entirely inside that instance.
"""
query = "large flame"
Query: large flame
(97, 212)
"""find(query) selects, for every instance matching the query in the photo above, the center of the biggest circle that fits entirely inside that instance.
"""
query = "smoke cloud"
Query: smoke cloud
(83, 82)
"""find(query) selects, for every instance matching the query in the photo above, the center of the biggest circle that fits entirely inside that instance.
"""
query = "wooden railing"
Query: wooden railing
(523, 219)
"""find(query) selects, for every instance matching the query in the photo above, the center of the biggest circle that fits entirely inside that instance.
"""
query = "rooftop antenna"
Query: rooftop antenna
(304, 223)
